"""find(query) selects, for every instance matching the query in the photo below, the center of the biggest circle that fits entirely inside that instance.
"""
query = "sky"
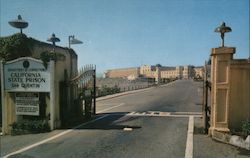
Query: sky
(129, 33)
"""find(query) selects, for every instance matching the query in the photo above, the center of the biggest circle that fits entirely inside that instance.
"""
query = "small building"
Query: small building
(36, 87)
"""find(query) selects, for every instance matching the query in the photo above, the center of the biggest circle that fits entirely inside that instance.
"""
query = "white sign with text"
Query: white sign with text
(26, 75)
(27, 104)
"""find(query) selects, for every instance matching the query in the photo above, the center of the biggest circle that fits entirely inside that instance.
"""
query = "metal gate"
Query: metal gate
(85, 83)
(206, 101)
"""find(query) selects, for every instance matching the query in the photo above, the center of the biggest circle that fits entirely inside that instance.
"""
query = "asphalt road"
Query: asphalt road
(148, 124)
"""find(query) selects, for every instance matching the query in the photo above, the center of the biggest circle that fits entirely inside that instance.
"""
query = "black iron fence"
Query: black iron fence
(85, 83)
(206, 99)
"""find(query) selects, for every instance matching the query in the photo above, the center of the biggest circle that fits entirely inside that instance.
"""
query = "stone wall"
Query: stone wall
(230, 84)
(239, 94)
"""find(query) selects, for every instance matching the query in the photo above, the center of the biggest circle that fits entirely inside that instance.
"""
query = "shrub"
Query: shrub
(30, 126)
(104, 90)
(15, 46)
(246, 127)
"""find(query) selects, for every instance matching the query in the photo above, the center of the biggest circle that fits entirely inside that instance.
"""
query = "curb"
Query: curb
(232, 139)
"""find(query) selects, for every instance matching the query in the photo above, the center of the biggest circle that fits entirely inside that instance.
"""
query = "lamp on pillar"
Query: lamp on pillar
(19, 23)
(222, 29)
(53, 39)
(73, 40)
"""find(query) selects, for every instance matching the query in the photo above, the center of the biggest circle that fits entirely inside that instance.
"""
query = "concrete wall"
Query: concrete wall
(239, 95)
(65, 69)
(69, 62)
(230, 95)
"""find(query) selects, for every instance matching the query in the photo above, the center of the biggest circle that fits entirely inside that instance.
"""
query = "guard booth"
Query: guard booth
(47, 80)
(30, 91)
(27, 92)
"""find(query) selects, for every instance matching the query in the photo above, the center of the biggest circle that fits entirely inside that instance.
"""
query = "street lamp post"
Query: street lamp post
(19, 23)
(73, 40)
(53, 39)
(222, 29)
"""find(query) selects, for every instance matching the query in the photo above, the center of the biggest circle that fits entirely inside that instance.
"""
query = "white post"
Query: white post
(52, 94)
(3, 99)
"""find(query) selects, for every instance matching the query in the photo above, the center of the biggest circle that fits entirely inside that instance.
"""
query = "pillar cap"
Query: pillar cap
(223, 50)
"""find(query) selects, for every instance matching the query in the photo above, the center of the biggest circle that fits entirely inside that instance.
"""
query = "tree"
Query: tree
(15, 46)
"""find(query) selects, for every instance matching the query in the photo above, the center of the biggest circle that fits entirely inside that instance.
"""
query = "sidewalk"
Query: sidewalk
(206, 147)
(235, 140)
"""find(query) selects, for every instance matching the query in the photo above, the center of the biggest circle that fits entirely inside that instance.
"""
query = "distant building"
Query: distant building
(188, 72)
(122, 73)
(156, 72)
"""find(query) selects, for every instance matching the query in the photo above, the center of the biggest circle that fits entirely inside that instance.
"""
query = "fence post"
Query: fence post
(205, 100)
(94, 76)
(4, 113)
(52, 94)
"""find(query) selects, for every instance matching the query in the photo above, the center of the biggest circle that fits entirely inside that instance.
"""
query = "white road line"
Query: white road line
(189, 144)
(100, 105)
(165, 114)
(53, 137)
(187, 113)
(61, 134)
(199, 116)
(111, 108)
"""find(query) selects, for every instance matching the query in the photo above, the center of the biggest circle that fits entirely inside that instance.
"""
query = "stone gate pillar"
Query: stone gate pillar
(220, 79)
